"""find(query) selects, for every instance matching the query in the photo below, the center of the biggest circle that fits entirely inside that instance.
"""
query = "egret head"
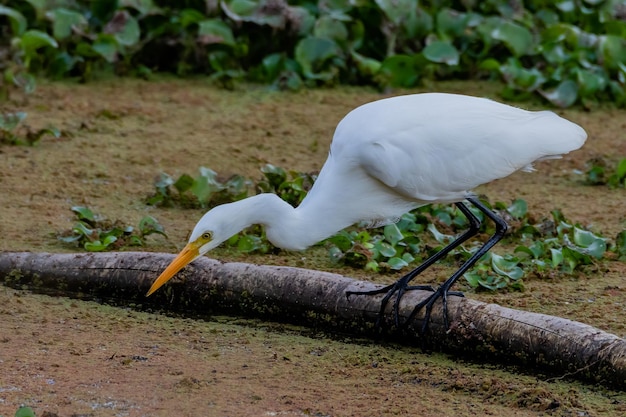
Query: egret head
(214, 227)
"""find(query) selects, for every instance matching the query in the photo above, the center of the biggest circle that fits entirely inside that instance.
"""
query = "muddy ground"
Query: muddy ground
(67, 357)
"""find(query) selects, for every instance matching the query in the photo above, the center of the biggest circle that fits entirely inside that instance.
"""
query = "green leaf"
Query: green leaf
(342, 241)
(63, 22)
(249, 243)
(593, 245)
(9, 121)
(275, 176)
(149, 225)
(99, 246)
(397, 263)
(400, 71)
(82, 229)
(516, 37)
(17, 19)
(396, 10)
(472, 278)
(330, 28)
(32, 40)
(385, 249)
(393, 235)
(451, 23)
(591, 82)
(518, 209)
(366, 66)
(215, 31)
(24, 412)
(564, 95)
(440, 237)
(190, 17)
(106, 47)
(557, 257)
(183, 183)
(128, 33)
(313, 54)
(441, 52)
(613, 50)
(84, 213)
(507, 267)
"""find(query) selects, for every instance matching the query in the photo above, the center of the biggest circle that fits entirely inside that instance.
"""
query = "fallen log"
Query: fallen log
(301, 296)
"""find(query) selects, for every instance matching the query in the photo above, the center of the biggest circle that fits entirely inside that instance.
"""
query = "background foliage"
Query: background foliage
(569, 51)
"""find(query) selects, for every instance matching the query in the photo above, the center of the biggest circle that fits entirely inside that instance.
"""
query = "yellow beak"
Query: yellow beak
(188, 254)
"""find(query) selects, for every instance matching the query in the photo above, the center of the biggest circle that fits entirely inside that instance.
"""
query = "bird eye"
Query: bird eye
(207, 235)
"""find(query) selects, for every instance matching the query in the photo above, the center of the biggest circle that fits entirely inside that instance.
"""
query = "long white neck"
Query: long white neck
(287, 227)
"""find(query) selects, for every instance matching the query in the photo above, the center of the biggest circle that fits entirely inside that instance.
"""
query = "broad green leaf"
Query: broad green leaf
(441, 52)
(516, 75)
(440, 237)
(400, 70)
(17, 19)
(182, 184)
(249, 243)
(163, 181)
(189, 17)
(128, 33)
(210, 176)
(518, 209)
(557, 257)
(313, 53)
(490, 64)
(99, 246)
(275, 176)
(385, 249)
(32, 40)
(366, 66)
(451, 23)
(472, 278)
(524, 250)
(63, 22)
(82, 229)
(144, 7)
(507, 267)
(106, 47)
(593, 245)
(84, 213)
(342, 241)
(393, 235)
(327, 27)
(216, 31)
(24, 412)
(564, 95)
(396, 263)
(591, 82)
(149, 225)
(243, 7)
(396, 10)
(272, 65)
(613, 50)
(9, 121)
(202, 191)
(335, 254)
(516, 37)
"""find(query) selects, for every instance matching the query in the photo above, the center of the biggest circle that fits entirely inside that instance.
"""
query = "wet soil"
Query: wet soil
(68, 357)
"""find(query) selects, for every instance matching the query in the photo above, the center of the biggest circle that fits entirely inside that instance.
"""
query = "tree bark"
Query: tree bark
(478, 330)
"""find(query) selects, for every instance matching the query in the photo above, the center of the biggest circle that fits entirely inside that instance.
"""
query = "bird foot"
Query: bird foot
(399, 288)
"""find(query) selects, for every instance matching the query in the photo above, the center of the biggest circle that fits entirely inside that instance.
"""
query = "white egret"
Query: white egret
(389, 157)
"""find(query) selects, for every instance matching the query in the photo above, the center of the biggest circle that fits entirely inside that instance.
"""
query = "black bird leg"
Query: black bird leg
(401, 286)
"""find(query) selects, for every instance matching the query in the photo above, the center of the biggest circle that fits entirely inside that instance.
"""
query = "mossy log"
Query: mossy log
(306, 297)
